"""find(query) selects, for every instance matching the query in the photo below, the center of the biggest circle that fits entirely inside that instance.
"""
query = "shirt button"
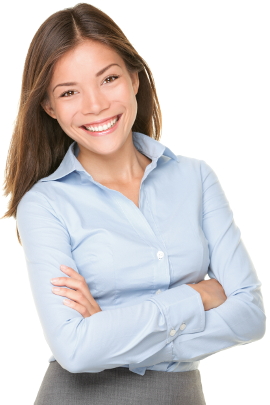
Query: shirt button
(183, 326)
(160, 254)
(172, 332)
(158, 291)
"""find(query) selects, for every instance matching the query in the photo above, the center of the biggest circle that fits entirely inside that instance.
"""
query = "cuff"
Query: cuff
(183, 310)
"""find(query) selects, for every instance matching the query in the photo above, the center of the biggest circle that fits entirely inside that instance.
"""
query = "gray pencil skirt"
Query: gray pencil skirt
(119, 386)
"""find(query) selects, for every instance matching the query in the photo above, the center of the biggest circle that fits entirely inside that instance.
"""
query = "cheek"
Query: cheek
(125, 95)
(65, 112)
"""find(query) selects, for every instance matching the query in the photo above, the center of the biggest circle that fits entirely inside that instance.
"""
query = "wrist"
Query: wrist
(198, 288)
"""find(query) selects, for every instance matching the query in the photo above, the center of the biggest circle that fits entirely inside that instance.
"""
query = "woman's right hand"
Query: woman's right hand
(212, 293)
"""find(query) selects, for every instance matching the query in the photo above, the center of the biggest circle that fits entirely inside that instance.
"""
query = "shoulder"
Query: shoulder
(35, 201)
(194, 166)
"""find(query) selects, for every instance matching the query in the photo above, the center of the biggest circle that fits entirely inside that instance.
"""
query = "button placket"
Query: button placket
(162, 271)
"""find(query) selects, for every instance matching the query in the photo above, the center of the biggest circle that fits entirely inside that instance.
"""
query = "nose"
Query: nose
(93, 102)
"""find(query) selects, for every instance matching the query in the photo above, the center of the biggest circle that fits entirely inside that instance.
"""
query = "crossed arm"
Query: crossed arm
(211, 291)
(218, 313)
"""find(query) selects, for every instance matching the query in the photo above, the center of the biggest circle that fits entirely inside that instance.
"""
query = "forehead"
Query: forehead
(90, 56)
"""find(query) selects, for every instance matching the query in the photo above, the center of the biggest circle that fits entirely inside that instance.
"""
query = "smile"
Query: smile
(102, 127)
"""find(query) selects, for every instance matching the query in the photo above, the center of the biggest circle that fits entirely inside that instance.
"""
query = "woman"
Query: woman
(137, 227)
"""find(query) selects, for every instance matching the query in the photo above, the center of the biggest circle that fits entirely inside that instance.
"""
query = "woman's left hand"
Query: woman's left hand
(80, 297)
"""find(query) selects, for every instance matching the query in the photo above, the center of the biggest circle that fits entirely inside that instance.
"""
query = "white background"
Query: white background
(210, 61)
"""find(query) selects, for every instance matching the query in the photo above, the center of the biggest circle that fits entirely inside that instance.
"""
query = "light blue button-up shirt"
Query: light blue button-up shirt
(137, 263)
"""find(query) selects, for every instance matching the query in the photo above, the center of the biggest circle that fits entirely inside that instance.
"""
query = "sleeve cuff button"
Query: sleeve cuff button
(172, 332)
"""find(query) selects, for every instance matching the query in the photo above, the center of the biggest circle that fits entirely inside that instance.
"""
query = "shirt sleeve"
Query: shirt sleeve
(107, 339)
(241, 318)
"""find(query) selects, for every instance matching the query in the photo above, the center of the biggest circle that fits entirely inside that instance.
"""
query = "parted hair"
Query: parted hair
(38, 143)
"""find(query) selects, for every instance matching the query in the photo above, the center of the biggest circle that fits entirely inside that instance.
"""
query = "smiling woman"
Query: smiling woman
(37, 136)
(136, 227)
(92, 94)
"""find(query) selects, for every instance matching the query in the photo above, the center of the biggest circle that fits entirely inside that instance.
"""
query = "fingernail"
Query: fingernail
(62, 267)
(67, 302)
(54, 280)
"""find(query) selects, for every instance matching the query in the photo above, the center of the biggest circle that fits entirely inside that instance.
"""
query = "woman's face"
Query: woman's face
(91, 89)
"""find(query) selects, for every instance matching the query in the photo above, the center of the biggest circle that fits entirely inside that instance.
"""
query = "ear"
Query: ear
(135, 81)
(46, 105)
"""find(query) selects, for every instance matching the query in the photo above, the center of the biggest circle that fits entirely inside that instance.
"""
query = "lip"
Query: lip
(107, 131)
(101, 121)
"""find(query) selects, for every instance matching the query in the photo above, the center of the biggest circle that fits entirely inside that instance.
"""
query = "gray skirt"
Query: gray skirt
(119, 386)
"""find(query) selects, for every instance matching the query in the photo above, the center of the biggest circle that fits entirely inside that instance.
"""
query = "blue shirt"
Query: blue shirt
(137, 262)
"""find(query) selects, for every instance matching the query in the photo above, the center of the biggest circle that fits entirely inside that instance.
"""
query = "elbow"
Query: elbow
(69, 366)
(77, 348)
(68, 362)
(76, 365)
(64, 361)
(74, 368)
(255, 324)
(69, 348)
(77, 362)
(259, 328)
(245, 319)
(251, 329)
(247, 315)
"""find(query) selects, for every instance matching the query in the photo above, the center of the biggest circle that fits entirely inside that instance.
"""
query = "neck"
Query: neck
(121, 166)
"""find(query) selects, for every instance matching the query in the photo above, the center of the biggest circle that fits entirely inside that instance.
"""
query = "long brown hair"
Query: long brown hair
(38, 143)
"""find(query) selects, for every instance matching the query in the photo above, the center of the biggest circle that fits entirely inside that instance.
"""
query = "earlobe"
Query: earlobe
(48, 108)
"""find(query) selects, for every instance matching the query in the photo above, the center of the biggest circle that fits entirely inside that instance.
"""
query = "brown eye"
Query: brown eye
(110, 79)
(68, 93)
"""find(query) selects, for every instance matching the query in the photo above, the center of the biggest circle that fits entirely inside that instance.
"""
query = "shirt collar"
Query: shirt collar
(144, 143)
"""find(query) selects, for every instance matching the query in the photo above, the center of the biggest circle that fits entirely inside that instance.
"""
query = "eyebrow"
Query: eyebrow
(106, 68)
(97, 74)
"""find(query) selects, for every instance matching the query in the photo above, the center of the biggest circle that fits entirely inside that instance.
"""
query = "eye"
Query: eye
(110, 79)
(68, 93)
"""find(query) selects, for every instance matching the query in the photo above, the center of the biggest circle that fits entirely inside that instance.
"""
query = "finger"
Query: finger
(78, 307)
(71, 272)
(81, 297)
(72, 294)
(68, 282)
(90, 304)
(78, 283)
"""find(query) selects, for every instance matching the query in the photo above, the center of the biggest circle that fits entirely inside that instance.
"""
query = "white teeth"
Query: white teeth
(102, 127)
